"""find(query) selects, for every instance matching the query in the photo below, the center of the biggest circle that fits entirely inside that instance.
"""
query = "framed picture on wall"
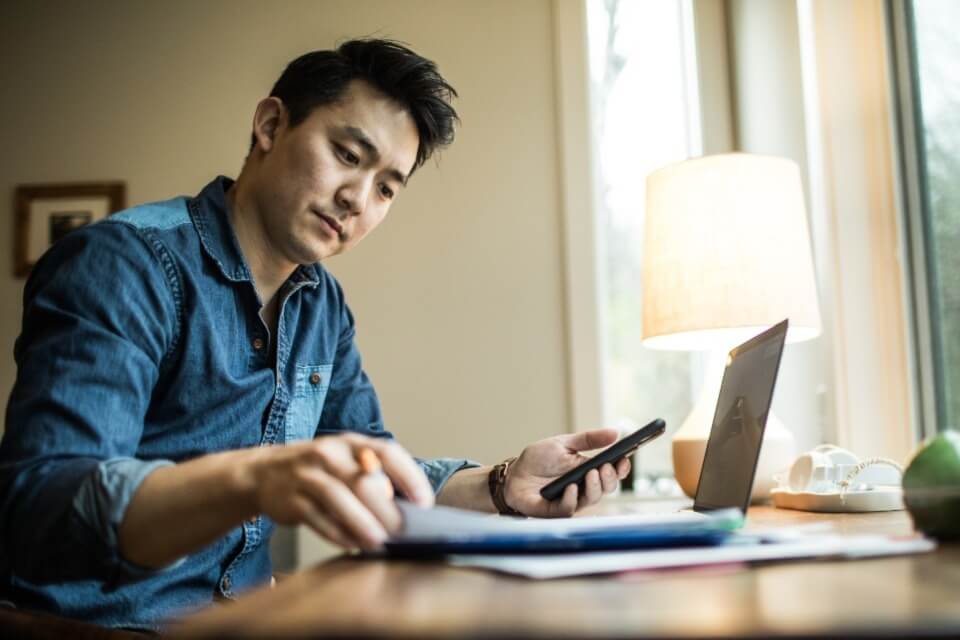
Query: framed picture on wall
(47, 212)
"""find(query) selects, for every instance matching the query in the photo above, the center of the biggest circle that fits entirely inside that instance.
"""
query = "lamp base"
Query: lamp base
(777, 450)
(687, 461)
(776, 454)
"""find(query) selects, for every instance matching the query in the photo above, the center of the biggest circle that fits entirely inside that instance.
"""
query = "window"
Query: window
(927, 51)
(643, 105)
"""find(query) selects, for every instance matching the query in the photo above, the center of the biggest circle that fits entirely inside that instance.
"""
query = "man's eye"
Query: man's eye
(386, 192)
(348, 156)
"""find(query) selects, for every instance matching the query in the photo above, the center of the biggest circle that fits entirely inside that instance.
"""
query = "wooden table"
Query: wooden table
(892, 597)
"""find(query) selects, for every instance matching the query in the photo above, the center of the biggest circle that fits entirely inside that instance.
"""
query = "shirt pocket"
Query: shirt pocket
(309, 392)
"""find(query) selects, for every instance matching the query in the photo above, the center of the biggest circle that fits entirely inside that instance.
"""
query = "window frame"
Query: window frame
(859, 229)
(583, 312)
(915, 213)
(583, 277)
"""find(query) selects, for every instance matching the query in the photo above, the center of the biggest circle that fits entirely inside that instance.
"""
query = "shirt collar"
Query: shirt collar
(212, 222)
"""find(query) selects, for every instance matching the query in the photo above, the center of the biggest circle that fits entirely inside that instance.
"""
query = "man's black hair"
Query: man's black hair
(320, 78)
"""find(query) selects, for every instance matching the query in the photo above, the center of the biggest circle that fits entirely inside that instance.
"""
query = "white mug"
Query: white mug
(820, 470)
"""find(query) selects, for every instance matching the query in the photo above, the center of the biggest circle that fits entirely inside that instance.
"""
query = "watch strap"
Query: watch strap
(497, 482)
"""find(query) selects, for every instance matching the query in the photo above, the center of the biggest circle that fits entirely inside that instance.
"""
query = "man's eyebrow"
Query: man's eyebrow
(361, 138)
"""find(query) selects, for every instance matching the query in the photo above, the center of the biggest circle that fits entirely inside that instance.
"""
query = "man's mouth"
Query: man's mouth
(332, 222)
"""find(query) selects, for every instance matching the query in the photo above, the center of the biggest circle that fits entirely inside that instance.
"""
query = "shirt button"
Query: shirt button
(315, 378)
(258, 343)
(226, 583)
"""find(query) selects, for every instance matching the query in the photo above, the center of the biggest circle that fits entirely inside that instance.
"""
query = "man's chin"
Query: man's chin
(318, 254)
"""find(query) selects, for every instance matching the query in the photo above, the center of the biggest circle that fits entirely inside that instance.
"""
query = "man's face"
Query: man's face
(326, 183)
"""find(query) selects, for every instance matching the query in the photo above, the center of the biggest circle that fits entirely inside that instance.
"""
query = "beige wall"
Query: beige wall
(458, 295)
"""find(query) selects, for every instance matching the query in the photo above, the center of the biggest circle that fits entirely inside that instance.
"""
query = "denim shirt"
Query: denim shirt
(142, 346)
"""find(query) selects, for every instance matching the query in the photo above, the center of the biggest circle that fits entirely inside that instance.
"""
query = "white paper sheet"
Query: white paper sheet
(444, 523)
(574, 564)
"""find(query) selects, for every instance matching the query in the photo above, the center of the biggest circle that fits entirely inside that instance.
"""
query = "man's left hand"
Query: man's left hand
(548, 459)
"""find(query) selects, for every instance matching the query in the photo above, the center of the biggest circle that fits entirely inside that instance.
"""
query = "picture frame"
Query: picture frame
(44, 213)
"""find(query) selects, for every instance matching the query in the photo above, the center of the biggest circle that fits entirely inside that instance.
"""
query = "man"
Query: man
(187, 373)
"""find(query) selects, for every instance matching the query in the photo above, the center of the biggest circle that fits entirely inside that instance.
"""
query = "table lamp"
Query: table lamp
(726, 254)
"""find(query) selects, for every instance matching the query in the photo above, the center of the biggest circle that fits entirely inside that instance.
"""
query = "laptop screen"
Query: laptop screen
(733, 449)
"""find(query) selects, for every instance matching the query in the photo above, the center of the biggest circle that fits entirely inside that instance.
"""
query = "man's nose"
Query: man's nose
(352, 197)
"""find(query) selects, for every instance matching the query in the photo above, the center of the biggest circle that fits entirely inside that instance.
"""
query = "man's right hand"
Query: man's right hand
(320, 483)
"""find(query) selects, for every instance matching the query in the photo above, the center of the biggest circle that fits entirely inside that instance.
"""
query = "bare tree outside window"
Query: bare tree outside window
(637, 70)
(936, 51)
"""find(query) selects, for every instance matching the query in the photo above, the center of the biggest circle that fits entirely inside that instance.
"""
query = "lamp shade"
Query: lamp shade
(726, 253)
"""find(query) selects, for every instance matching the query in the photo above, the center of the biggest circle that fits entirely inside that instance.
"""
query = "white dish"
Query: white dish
(879, 498)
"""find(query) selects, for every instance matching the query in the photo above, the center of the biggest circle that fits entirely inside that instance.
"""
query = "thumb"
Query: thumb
(587, 440)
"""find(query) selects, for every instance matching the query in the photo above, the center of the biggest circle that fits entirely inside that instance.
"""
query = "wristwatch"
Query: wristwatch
(497, 482)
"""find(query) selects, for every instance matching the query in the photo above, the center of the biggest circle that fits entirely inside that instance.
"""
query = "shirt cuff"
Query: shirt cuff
(439, 470)
(101, 503)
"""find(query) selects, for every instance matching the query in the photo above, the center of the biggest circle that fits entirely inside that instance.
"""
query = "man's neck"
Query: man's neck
(269, 272)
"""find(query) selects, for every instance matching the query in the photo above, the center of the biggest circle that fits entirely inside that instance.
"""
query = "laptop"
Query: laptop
(723, 493)
(733, 449)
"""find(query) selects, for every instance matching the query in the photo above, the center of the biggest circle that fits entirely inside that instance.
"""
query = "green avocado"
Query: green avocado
(931, 487)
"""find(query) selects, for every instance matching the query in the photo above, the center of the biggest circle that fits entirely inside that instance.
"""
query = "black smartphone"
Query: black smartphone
(612, 454)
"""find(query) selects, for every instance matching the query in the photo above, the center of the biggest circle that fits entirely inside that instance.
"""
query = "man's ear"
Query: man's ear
(269, 118)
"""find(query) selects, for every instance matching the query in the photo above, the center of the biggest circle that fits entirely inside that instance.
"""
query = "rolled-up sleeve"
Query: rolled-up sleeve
(440, 470)
(101, 502)
(99, 318)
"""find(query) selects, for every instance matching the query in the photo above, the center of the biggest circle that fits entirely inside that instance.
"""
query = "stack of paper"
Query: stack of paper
(442, 530)
(539, 548)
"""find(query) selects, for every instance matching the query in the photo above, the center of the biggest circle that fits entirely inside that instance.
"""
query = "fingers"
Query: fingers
(323, 484)
(345, 508)
(356, 465)
(376, 493)
(403, 471)
(337, 455)
(345, 456)
(596, 483)
(587, 440)
(609, 480)
(323, 526)
(592, 489)
(623, 468)
(367, 469)
(566, 506)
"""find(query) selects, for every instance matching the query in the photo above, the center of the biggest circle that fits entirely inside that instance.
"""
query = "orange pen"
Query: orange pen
(369, 461)
(370, 464)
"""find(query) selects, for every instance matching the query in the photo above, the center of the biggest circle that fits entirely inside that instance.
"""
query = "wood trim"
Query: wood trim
(583, 312)
(910, 197)
(717, 124)
(854, 161)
